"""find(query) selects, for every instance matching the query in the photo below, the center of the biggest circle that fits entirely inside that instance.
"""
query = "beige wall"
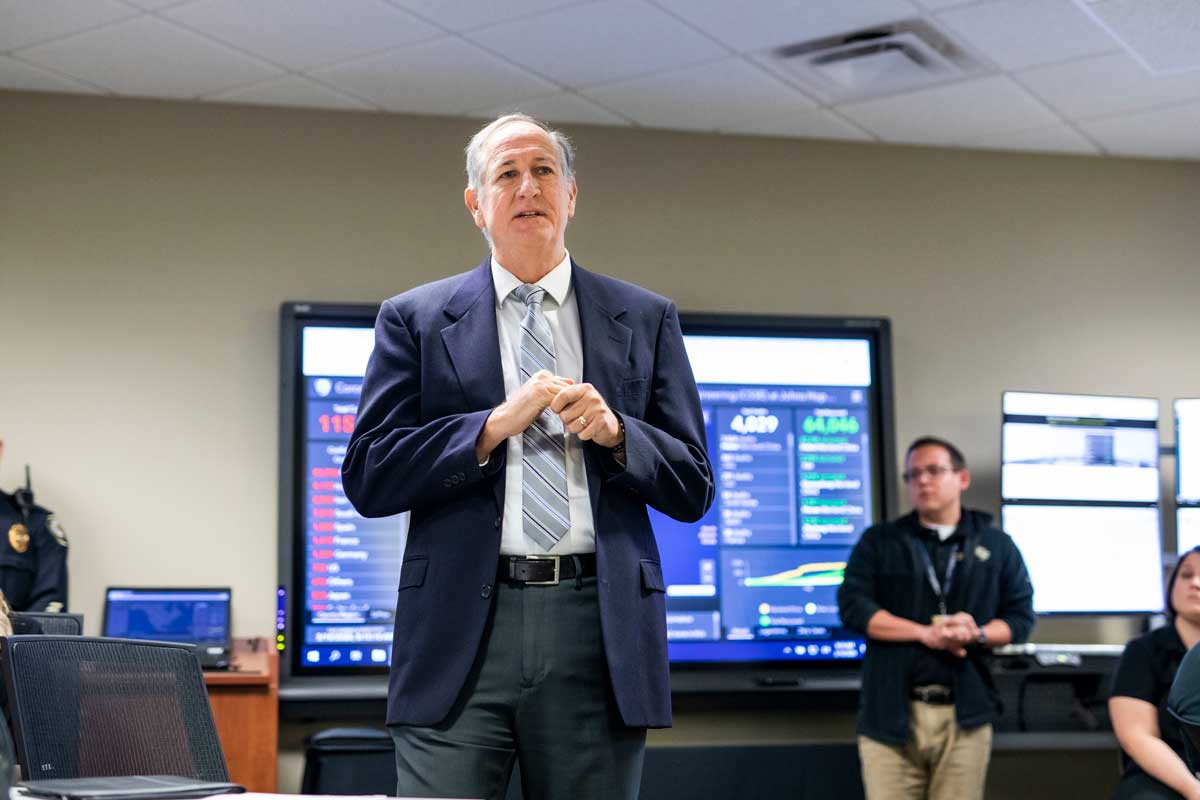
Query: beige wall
(145, 248)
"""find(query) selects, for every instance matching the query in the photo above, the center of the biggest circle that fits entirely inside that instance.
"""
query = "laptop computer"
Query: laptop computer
(197, 616)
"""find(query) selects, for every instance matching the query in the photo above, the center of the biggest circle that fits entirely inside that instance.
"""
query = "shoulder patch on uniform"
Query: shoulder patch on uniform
(56, 530)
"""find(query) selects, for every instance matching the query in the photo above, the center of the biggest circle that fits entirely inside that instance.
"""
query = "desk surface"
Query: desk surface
(253, 663)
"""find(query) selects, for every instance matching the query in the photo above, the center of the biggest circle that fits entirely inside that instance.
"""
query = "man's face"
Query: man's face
(523, 200)
(933, 485)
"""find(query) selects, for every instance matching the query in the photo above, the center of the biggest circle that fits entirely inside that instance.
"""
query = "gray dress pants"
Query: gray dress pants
(539, 694)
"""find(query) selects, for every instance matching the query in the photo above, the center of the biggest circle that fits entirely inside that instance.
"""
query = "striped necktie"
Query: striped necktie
(544, 505)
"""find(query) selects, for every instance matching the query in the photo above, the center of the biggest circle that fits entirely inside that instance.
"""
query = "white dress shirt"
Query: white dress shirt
(562, 315)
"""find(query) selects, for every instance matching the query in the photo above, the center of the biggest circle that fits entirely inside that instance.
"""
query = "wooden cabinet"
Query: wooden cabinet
(245, 705)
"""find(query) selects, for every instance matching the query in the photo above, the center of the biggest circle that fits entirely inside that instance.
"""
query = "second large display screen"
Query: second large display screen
(792, 434)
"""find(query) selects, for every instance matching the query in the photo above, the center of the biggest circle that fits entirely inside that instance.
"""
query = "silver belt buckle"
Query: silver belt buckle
(552, 582)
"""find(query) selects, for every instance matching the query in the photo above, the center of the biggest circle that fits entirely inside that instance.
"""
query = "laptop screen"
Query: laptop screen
(191, 616)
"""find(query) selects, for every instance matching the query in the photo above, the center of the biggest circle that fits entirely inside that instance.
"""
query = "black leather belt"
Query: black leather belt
(545, 570)
(934, 694)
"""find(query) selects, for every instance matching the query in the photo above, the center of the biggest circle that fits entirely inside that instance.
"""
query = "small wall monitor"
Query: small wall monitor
(1082, 448)
(1187, 473)
(1090, 559)
(798, 415)
(1187, 451)
(1079, 480)
(1187, 528)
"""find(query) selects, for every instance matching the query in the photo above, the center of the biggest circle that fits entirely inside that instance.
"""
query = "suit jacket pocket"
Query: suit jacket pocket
(412, 573)
(633, 396)
(652, 577)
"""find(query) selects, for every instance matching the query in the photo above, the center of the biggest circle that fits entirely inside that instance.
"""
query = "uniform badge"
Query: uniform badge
(18, 538)
(982, 553)
(56, 530)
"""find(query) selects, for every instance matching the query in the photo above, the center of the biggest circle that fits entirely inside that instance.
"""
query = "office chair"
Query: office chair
(37, 622)
(349, 761)
(91, 707)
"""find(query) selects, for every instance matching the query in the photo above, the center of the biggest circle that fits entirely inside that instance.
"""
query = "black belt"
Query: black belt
(545, 570)
(934, 694)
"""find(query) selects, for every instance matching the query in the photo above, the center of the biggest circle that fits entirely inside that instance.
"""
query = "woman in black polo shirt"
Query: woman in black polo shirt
(1150, 738)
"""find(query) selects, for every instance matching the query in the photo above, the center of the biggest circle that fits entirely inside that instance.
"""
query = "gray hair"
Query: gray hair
(475, 155)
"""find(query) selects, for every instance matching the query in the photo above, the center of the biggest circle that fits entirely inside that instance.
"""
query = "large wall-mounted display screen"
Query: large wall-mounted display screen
(798, 415)
(1079, 480)
(792, 424)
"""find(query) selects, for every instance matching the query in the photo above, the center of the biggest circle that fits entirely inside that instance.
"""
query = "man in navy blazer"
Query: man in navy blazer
(508, 645)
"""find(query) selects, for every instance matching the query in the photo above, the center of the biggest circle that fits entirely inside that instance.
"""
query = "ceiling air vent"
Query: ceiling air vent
(899, 57)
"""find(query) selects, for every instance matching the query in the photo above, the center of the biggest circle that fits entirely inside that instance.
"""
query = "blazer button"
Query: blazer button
(485, 591)
(496, 523)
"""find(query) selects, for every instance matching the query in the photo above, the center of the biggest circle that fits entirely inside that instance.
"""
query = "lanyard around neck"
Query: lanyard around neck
(942, 592)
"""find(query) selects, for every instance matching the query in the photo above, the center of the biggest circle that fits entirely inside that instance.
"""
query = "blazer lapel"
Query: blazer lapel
(606, 342)
(474, 347)
(472, 342)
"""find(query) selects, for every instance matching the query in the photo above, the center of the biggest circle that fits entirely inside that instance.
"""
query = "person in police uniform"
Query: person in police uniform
(33, 554)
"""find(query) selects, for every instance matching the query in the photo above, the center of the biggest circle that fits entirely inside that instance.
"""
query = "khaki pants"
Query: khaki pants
(941, 761)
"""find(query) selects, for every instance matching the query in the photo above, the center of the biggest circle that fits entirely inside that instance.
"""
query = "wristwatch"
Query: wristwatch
(982, 639)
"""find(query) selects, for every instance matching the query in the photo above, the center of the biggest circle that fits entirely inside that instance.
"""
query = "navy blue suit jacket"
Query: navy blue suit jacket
(432, 380)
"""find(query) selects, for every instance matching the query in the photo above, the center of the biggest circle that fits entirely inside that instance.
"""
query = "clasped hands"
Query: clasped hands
(951, 633)
(579, 405)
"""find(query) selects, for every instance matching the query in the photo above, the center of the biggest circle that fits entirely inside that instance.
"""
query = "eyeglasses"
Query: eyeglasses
(934, 471)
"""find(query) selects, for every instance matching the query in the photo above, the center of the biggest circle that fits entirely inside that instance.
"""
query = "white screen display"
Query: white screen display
(1187, 443)
(1079, 448)
(1187, 529)
(1089, 559)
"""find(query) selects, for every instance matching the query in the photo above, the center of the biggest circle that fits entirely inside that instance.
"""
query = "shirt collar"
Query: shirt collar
(932, 535)
(556, 282)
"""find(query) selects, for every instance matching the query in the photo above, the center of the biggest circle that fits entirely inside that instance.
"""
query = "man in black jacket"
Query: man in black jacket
(932, 591)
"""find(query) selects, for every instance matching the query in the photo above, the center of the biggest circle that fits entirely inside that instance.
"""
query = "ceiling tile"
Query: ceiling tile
(816, 124)
(559, 108)
(1022, 33)
(465, 15)
(1164, 133)
(23, 77)
(154, 5)
(953, 114)
(151, 58)
(305, 33)
(1055, 139)
(1161, 34)
(293, 90)
(1112, 84)
(599, 42)
(773, 23)
(28, 22)
(446, 76)
(709, 97)
(937, 5)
